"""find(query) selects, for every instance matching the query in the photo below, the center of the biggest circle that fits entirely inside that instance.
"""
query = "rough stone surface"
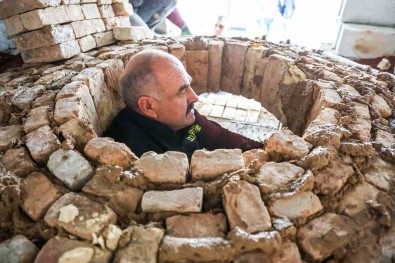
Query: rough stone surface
(134, 33)
(107, 151)
(215, 51)
(252, 56)
(18, 161)
(207, 165)
(104, 38)
(381, 174)
(9, 9)
(79, 216)
(78, 130)
(197, 67)
(51, 53)
(183, 201)
(87, 43)
(8, 135)
(245, 208)
(18, 249)
(122, 8)
(197, 225)
(71, 168)
(47, 16)
(385, 138)
(170, 167)
(38, 194)
(36, 118)
(42, 143)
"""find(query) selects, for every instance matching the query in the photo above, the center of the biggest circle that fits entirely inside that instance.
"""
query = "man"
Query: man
(159, 114)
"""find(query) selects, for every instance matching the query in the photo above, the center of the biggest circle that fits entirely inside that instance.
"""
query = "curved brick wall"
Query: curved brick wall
(320, 190)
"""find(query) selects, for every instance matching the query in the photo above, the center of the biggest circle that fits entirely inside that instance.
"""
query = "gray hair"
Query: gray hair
(139, 79)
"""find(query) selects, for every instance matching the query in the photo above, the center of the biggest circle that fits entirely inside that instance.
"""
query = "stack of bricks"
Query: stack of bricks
(51, 30)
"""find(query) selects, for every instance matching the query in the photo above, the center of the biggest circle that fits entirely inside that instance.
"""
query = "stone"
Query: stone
(257, 156)
(61, 249)
(87, 43)
(111, 22)
(144, 246)
(355, 200)
(385, 138)
(107, 151)
(357, 149)
(122, 197)
(284, 145)
(46, 36)
(18, 161)
(207, 165)
(79, 130)
(54, 76)
(106, 11)
(122, 9)
(8, 9)
(195, 43)
(170, 167)
(38, 18)
(273, 176)
(254, 53)
(232, 70)
(38, 194)
(320, 237)
(318, 158)
(90, 11)
(71, 168)
(111, 235)
(87, 27)
(124, 21)
(104, 38)
(288, 252)
(36, 118)
(9, 135)
(112, 70)
(90, 217)
(381, 174)
(133, 33)
(178, 249)
(331, 179)
(244, 207)
(177, 50)
(361, 128)
(215, 52)
(197, 225)
(24, 99)
(42, 143)
(327, 116)
(74, 101)
(299, 206)
(51, 53)
(14, 25)
(381, 106)
(185, 200)
(74, 12)
(18, 249)
(197, 67)
(94, 80)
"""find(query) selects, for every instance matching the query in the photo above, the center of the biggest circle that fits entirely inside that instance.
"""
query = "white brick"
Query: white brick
(74, 12)
(87, 27)
(111, 22)
(104, 39)
(51, 53)
(90, 11)
(134, 33)
(49, 16)
(14, 25)
(10, 8)
(87, 43)
(106, 11)
(123, 9)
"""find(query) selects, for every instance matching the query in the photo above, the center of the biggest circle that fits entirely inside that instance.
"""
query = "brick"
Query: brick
(134, 33)
(253, 55)
(124, 21)
(90, 11)
(104, 39)
(74, 12)
(41, 144)
(255, 155)
(232, 70)
(381, 106)
(9, 135)
(111, 22)
(87, 43)
(186, 200)
(18, 161)
(51, 53)
(197, 225)
(123, 9)
(14, 25)
(87, 27)
(107, 151)
(299, 206)
(197, 67)
(49, 16)
(170, 167)
(104, 2)
(79, 130)
(38, 194)
(18, 249)
(177, 50)
(215, 51)
(380, 12)
(36, 118)
(47, 36)
(380, 174)
(58, 248)
(24, 99)
(71, 168)
(274, 176)
(266, 241)
(70, 2)
(364, 42)
(8, 8)
(106, 11)
(207, 165)
(244, 207)
(79, 216)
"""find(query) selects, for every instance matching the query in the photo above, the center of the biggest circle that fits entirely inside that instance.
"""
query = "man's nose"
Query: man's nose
(192, 97)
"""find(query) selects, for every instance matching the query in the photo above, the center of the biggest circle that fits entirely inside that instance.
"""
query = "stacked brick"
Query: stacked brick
(51, 30)
(323, 191)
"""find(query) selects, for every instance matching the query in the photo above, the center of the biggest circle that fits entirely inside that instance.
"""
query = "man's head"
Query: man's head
(221, 26)
(156, 85)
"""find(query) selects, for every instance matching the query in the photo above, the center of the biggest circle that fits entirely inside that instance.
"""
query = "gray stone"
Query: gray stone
(381, 174)
(9, 135)
(17, 250)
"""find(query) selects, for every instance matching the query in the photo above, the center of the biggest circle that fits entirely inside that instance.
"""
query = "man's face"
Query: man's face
(175, 106)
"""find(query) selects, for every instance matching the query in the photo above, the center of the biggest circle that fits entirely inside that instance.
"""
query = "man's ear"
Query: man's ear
(147, 106)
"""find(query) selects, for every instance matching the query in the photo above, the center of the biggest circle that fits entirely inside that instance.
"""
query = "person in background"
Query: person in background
(269, 12)
(159, 115)
(286, 9)
(221, 26)
(176, 18)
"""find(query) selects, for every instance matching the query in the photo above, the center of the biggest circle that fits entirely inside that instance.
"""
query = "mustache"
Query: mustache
(190, 107)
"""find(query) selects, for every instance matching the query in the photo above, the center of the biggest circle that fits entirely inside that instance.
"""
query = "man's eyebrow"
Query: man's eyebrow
(183, 87)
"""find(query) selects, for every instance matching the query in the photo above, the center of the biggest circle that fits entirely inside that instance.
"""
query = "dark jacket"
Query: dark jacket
(142, 134)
